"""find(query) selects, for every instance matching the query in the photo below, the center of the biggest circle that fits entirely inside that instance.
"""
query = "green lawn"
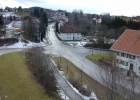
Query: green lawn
(16, 81)
(100, 57)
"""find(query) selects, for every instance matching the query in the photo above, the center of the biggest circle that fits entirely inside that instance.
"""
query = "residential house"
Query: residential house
(127, 49)
(97, 20)
(70, 36)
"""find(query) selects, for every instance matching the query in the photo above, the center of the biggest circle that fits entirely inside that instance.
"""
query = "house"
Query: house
(97, 20)
(127, 49)
(70, 36)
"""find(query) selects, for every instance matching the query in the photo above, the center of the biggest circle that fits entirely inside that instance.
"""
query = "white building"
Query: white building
(127, 49)
(70, 36)
(97, 20)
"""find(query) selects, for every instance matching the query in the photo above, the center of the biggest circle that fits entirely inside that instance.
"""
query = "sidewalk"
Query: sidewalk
(68, 90)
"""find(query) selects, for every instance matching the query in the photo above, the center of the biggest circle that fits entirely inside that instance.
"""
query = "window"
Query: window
(123, 63)
(131, 67)
(122, 54)
(133, 57)
(118, 53)
(139, 67)
(127, 56)
(126, 63)
(130, 56)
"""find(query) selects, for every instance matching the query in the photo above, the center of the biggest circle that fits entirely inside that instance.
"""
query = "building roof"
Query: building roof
(19, 30)
(128, 42)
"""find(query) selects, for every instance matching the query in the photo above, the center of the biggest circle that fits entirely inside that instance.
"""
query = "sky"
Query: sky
(114, 7)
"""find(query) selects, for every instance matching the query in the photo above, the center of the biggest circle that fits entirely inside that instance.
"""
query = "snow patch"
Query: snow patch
(77, 43)
(62, 95)
(92, 96)
(24, 45)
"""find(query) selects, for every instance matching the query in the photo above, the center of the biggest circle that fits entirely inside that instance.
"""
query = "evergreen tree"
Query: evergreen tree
(43, 24)
(20, 9)
(1, 21)
(57, 27)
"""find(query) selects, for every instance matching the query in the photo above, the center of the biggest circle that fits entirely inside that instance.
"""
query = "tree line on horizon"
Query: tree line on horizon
(110, 27)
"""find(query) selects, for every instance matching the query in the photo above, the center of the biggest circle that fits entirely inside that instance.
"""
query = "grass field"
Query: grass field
(16, 81)
(100, 57)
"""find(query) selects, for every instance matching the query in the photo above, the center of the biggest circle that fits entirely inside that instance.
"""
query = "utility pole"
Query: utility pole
(4, 19)
(92, 50)
(81, 77)
(60, 59)
(113, 80)
(133, 86)
(67, 68)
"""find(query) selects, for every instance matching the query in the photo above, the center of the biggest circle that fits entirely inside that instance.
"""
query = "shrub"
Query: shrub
(39, 65)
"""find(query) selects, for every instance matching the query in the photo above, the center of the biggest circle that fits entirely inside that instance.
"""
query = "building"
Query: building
(59, 16)
(127, 49)
(97, 20)
(70, 36)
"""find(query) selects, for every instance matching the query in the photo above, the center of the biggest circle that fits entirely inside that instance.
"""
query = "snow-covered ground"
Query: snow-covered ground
(8, 14)
(10, 32)
(92, 96)
(23, 45)
(11, 28)
(62, 94)
(14, 25)
(77, 43)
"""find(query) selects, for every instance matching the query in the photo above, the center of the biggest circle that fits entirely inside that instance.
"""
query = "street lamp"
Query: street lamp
(5, 24)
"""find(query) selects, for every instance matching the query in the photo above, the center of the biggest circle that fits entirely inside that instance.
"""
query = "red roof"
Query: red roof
(19, 30)
(128, 42)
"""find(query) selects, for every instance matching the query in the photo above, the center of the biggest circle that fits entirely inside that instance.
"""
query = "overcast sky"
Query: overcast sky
(114, 7)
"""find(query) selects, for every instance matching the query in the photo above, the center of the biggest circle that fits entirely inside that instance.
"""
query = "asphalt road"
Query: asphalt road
(74, 54)
(63, 84)
(77, 56)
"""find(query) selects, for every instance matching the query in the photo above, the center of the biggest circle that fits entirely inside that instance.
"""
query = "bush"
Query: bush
(39, 65)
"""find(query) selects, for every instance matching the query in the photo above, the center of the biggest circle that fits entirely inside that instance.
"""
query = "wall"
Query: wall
(138, 66)
(135, 62)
